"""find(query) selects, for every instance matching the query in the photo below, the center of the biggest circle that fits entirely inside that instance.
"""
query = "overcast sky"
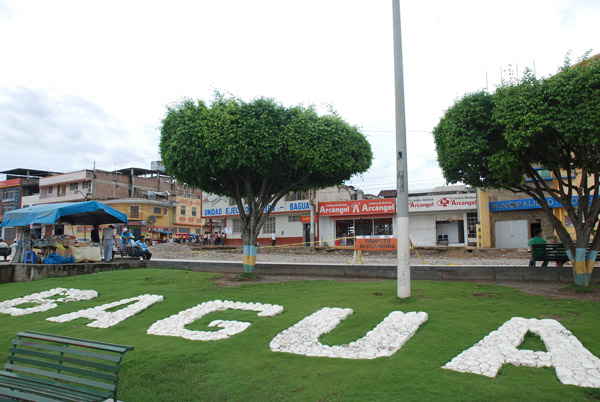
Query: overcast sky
(89, 81)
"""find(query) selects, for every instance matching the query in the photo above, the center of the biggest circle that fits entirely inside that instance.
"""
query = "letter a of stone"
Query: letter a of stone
(574, 364)
(105, 319)
(384, 340)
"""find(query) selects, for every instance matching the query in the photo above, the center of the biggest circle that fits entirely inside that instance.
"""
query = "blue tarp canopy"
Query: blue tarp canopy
(74, 213)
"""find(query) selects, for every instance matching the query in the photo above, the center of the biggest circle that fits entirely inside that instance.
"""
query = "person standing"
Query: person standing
(223, 238)
(95, 235)
(108, 242)
(536, 239)
(273, 238)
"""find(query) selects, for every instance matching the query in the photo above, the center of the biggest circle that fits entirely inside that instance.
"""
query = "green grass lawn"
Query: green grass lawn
(243, 368)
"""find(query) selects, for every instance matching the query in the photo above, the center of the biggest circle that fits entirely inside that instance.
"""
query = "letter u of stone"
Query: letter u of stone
(384, 340)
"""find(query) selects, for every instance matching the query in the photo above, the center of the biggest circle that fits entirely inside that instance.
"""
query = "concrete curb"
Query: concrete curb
(430, 272)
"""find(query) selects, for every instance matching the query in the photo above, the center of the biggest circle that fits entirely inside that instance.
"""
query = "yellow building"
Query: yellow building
(188, 215)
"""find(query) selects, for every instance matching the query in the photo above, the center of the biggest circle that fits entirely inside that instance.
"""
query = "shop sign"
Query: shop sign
(306, 218)
(10, 183)
(528, 203)
(361, 207)
(370, 243)
(445, 202)
(222, 210)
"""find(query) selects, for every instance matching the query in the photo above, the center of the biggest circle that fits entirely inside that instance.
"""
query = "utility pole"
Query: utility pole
(403, 269)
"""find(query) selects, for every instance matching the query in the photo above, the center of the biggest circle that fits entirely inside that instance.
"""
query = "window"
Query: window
(471, 225)
(294, 218)
(237, 226)
(156, 210)
(269, 226)
(296, 195)
(50, 190)
(9, 195)
(86, 184)
(134, 212)
(183, 210)
(231, 201)
(164, 211)
(7, 208)
(73, 186)
(193, 211)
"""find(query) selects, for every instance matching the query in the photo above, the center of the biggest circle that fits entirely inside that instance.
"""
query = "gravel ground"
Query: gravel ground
(428, 256)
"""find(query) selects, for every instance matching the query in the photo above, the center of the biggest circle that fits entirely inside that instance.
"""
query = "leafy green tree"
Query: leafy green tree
(257, 152)
(502, 139)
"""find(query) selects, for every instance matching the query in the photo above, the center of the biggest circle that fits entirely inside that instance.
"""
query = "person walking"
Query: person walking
(108, 242)
(536, 239)
(273, 238)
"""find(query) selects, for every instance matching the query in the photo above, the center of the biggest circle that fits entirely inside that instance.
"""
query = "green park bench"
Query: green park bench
(43, 368)
(551, 252)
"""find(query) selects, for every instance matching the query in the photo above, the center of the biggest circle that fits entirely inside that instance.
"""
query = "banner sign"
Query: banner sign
(306, 218)
(361, 207)
(371, 243)
(528, 203)
(222, 209)
(10, 183)
(442, 202)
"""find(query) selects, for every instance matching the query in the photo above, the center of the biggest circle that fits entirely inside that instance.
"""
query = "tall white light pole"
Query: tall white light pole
(403, 269)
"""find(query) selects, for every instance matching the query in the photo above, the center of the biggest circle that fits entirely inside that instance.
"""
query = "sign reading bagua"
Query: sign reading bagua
(574, 364)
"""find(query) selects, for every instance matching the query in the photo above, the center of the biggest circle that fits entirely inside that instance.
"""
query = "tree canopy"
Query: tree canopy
(503, 139)
(259, 151)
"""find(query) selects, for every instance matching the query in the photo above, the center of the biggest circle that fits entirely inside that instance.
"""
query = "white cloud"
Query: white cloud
(110, 68)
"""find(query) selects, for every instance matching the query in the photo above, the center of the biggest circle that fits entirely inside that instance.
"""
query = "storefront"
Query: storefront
(288, 221)
(341, 221)
(443, 219)
(435, 219)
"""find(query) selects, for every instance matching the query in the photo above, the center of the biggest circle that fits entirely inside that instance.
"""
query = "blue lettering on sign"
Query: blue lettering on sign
(529, 203)
(213, 212)
(299, 206)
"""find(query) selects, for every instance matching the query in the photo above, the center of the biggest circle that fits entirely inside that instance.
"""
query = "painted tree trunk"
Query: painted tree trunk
(249, 258)
(583, 265)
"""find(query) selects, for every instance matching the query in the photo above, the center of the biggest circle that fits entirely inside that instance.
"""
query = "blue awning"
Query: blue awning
(74, 213)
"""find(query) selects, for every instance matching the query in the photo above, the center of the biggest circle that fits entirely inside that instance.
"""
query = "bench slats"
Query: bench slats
(45, 367)
(57, 376)
(63, 368)
(76, 342)
(35, 385)
(65, 359)
(65, 349)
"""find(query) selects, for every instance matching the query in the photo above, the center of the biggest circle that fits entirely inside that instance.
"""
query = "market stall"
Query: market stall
(74, 213)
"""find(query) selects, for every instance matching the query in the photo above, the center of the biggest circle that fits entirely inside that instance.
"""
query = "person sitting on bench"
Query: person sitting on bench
(143, 248)
(536, 239)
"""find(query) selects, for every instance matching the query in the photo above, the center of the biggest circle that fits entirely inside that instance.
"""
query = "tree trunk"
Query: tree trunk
(249, 238)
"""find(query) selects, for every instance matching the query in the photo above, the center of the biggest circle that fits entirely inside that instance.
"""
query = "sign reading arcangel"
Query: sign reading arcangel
(361, 207)
(574, 364)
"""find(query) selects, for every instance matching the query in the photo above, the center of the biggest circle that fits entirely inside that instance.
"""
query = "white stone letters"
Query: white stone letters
(384, 340)
(574, 364)
(105, 319)
(175, 324)
(43, 300)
